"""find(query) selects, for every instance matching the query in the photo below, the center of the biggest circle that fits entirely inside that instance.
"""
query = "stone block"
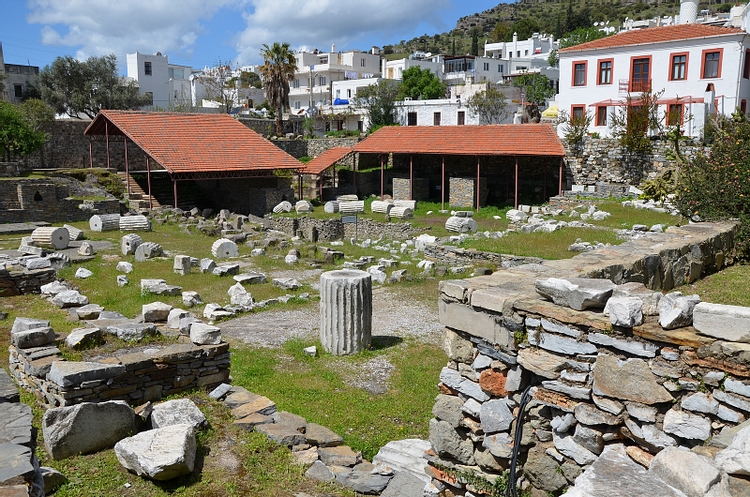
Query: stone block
(725, 322)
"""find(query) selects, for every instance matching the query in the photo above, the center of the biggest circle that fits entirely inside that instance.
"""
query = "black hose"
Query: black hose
(510, 490)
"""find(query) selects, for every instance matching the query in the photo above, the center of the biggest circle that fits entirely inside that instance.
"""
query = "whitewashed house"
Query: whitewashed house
(394, 69)
(701, 69)
(167, 84)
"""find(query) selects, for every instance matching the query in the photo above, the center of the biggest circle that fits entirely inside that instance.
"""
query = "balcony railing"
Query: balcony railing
(633, 86)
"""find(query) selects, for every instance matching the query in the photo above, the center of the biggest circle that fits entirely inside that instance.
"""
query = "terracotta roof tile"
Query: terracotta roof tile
(496, 139)
(326, 160)
(658, 34)
(195, 143)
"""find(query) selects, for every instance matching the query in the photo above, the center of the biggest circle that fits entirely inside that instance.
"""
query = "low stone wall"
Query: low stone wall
(308, 228)
(315, 146)
(367, 228)
(402, 189)
(130, 376)
(19, 282)
(452, 256)
(596, 384)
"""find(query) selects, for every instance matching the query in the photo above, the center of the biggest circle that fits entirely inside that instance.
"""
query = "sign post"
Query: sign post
(351, 220)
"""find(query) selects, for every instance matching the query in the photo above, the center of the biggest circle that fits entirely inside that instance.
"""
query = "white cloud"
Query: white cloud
(321, 23)
(101, 27)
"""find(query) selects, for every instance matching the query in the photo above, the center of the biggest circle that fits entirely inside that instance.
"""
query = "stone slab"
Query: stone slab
(463, 318)
(725, 322)
(8, 389)
(15, 462)
(66, 373)
(565, 315)
(687, 336)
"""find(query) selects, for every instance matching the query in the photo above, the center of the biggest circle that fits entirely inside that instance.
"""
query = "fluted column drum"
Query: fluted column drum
(345, 311)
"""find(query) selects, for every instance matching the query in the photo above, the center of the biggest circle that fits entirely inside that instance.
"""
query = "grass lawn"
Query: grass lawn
(232, 462)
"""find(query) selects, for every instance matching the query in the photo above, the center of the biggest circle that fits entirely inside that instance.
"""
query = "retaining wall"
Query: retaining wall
(131, 376)
(334, 229)
(18, 282)
(642, 386)
(450, 255)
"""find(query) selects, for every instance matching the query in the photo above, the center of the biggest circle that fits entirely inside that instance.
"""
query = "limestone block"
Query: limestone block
(735, 458)
(401, 213)
(410, 204)
(676, 310)
(148, 283)
(685, 470)
(207, 265)
(86, 249)
(725, 322)
(177, 412)
(181, 264)
(250, 278)
(132, 332)
(190, 299)
(175, 316)
(124, 267)
(69, 431)
(83, 273)
(516, 216)
(627, 380)
(34, 337)
(49, 236)
(135, 223)
(129, 243)
(331, 207)
(576, 293)
(148, 250)
(286, 283)
(345, 311)
(83, 337)
(303, 207)
(641, 349)
(104, 222)
(38, 263)
(381, 206)
(90, 311)
(75, 233)
(69, 298)
(160, 454)
(625, 312)
(52, 289)
(495, 415)
(155, 311)
(282, 207)
(687, 425)
(352, 207)
(461, 224)
(122, 280)
(204, 334)
(224, 248)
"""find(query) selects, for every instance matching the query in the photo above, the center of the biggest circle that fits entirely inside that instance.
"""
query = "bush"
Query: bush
(717, 186)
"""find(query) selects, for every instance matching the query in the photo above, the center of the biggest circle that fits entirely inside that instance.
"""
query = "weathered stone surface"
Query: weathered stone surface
(224, 248)
(66, 373)
(495, 416)
(642, 412)
(685, 470)
(627, 380)
(639, 455)
(456, 347)
(52, 479)
(155, 311)
(319, 471)
(541, 362)
(35, 337)
(8, 389)
(286, 283)
(250, 421)
(448, 443)
(181, 264)
(177, 412)
(160, 454)
(83, 337)
(499, 444)
(461, 317)
(493, 382)
(589, 438)
(124, 267)
(403, 485)
(625, 312)
(567, 446)
(700, 402)
(250, 278)
(362, 478)
(632, 347)
(15, 463)
(576, 293)
(676, 310)
(15, 423)
(448, 408)
(342, 455)
(573, 391)
(614, 474)
(122, 280)
(542, 471)
(281, 434)
(129, 243)
(205, 334)
(590, 415)
(82, 273)
(190, 299)
(322, 436)
(608, 405)
(77, 429)
(132, 332)
(345, 311)
(405, 456)
(148, 250)
(687, 425)
(735, 459)
(69, 298)
(725, 322)
(472, 389)
(88, 312)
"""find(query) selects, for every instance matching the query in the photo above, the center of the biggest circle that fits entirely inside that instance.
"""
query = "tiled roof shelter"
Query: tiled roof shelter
(530, 142)
(194, 146)
(321, 163)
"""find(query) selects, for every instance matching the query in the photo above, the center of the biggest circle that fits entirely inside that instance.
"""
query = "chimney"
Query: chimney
(688, 11)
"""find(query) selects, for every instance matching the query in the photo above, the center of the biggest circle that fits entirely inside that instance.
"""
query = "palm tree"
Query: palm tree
(277, 71)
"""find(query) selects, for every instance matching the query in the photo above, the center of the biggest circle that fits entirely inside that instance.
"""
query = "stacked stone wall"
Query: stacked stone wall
(131, 376)
(594, 384)
(334, 229)
(19, 282)
(457, 256)
(402, 189)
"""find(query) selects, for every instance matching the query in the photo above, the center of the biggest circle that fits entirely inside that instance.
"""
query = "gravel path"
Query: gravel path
(392, 316)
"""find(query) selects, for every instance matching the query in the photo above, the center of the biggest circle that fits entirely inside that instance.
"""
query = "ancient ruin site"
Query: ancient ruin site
(398, 316)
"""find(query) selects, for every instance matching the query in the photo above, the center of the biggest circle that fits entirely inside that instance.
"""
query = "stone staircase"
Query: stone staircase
(137, 197)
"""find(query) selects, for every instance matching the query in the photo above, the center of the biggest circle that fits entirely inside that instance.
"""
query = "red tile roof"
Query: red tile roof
(326, 160)
(659, 34)
(195, 143)
(495, 139)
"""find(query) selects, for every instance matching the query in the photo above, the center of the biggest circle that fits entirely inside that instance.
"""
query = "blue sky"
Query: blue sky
(201, 32)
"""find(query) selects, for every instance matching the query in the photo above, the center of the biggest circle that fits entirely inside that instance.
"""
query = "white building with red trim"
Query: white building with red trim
(701, 68)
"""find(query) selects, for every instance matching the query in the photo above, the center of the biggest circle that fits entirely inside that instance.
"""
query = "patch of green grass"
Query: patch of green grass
(544, 245)
(315, 388)
(625, 217)
(728, 287)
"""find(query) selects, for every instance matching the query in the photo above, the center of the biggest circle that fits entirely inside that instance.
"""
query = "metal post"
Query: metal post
(148, 179)
(442, 185)
(478, 186)
(382, 177)
(91, 153)
(515, 179)
(174, 187)
(106, 134)
(127, 166)
(411, 177)
(561, 174)
(354, 174)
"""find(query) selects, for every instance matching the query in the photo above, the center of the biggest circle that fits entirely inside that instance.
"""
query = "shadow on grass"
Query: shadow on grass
(380, 342)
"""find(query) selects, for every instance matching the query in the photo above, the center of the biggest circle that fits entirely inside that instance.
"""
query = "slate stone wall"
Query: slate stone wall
(17, 282)
(594, 384)
(140, 377)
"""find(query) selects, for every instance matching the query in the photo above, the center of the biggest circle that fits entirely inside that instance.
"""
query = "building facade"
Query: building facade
(167, 84)
(17, 79)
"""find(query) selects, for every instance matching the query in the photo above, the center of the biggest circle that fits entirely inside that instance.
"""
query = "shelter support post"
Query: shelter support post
(127, 167)
(91, 153)
(544, 190)
(442, 182)
(148, 179)
(174, 191)
(559, 191)
(106, 135)
(515, 180)
(478, 185)
(507, 181)
(354, 175)
(382, 177)
(411, 177)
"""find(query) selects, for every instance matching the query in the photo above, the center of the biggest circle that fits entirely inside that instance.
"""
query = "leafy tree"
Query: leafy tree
(524, 28)
(633, 122)
(37, 114)
(420, 84)
(475, 42)
(249, 79)
(575, 127)
(17, 134)
(500, 32)
(715, 185)
(536, 89)
(220, 85)
(490, 105)
(553, 59)
(379, 102)
(73, 87)
(581, 35)
(278, 71)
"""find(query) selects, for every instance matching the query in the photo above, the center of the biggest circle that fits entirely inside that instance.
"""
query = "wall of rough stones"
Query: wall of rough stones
(367, 228)
(130, 376)
(38, 199)
(604, 161)
(450, 255)
(307, 227)
(316, 146)
(402, 189)
(18, 282)
(596, 384)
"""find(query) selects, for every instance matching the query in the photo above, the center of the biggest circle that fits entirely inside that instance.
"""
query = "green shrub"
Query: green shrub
(717, 186)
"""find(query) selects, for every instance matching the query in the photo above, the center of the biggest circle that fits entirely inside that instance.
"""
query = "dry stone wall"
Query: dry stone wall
(402, 189)
(17, 281)
(594, 384)
(130, 376)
